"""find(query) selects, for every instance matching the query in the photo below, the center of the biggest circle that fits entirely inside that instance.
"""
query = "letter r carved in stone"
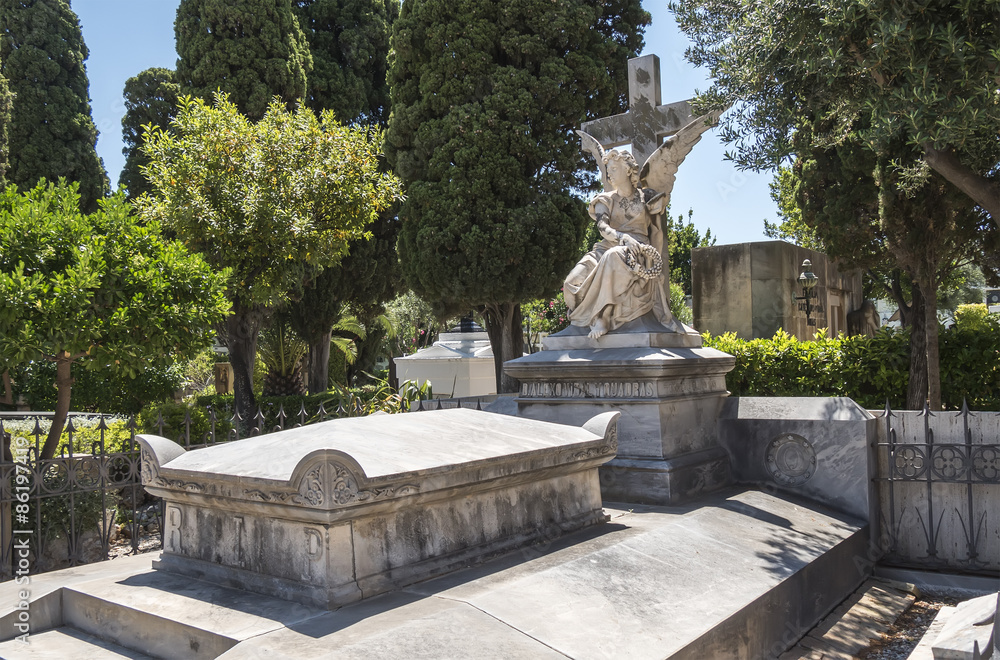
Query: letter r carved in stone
(175, 516)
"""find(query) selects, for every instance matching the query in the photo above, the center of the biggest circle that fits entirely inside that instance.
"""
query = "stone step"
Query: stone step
(65, 643)
(169, 616)
(854, 624)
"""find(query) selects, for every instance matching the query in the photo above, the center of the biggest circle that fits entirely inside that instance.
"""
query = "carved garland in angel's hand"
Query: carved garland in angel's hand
(643, 260)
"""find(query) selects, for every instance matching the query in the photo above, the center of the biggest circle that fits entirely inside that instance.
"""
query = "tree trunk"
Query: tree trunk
(932, 349)
(319, 363)
(242, 329)
(981, 190)
(8, 394)
(503, 325)
(906, 311)
(64, 390)
(916, 393)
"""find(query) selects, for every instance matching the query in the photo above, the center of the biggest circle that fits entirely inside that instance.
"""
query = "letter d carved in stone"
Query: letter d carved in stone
(314, 551)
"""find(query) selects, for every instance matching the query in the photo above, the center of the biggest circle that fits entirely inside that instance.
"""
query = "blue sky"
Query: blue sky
(127, 36)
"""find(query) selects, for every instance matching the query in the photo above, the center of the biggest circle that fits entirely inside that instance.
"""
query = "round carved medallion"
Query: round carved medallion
(791, 459)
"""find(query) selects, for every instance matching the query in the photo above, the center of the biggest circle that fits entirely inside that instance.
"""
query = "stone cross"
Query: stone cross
(647, 122)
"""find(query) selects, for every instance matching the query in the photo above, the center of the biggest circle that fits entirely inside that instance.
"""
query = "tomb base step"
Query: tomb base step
(739, 574)
(66, 642)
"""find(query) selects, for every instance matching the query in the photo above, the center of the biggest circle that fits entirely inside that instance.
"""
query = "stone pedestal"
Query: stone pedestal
(668, 388)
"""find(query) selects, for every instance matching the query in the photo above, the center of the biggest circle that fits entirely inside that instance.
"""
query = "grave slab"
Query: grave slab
(743, 574)
(971, 623)
(333, 512)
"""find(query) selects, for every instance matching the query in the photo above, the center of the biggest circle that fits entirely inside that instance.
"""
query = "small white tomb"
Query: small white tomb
(460, 363)
(338, 511)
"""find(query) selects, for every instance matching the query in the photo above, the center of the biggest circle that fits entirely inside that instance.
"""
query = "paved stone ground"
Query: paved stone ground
(902, 638)
(852, 627)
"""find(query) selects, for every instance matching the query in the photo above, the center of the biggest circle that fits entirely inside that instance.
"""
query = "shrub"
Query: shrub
(175, 424)
(870, 370)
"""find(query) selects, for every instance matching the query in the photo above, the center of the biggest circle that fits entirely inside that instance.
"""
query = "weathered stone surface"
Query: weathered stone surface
(817, 447)
(741, 576)
(647, 122)
(669, 399)
(971, 623)
(334, 512)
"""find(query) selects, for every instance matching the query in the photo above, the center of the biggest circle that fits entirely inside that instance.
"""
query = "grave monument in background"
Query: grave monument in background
(752, 289)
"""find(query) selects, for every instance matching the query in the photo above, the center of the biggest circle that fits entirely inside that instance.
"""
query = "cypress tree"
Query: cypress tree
(52, 133)
(485, 97)
(5, 103)
(252, 49)
(349, 41)
(150, 98)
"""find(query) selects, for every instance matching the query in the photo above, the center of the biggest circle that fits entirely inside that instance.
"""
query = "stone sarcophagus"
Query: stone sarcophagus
(333, 512)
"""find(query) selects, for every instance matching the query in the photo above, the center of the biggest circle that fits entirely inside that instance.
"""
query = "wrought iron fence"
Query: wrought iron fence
(938, 479)
(81, 505)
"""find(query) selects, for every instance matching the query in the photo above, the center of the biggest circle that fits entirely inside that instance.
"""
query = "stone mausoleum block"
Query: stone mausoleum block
(815, 447)
(338, 511)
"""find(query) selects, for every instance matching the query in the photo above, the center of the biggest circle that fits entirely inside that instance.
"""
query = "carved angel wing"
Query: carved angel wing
(594, 148)
(660, 169)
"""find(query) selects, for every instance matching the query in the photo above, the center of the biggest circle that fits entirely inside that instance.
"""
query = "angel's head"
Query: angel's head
(624, 161)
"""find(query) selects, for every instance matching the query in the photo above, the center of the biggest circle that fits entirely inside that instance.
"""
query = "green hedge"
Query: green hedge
(870, 370)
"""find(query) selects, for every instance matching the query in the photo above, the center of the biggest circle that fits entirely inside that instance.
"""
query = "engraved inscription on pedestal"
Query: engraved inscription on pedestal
(790, 459)
(585, 390)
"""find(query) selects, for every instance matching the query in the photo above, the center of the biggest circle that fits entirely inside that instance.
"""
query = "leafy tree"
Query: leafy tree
(51, 132)
(917, 81)
(251, 49)
(101, 286)
(683, 237)
(349, 42)
(485, 97)
(849, 200)
(150, 98)
(277, 201)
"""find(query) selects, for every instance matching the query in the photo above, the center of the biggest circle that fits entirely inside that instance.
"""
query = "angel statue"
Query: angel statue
(625, 275)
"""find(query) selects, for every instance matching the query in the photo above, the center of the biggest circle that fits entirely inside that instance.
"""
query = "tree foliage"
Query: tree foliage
(851, 201)
(917, 81)
(252, 50)
(485, 97)
(150, 98)
(349, 42)
(51, 132)
(682, 237)
(101, 286)
(277, 201)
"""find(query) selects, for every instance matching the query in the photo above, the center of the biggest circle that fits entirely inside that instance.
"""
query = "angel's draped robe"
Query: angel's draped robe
(603, 279)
